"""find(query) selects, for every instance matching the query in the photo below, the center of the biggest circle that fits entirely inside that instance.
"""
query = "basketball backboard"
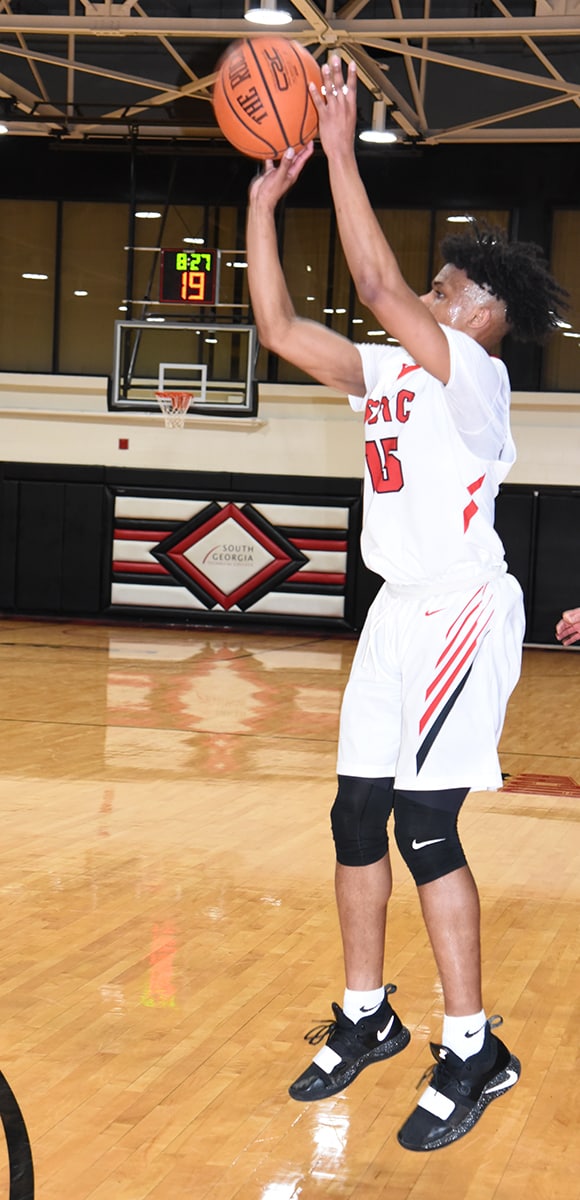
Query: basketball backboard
(213, 362)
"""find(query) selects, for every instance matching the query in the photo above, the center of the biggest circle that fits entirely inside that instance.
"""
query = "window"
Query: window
(27, 248)
(562, 354)
(93, 285)
(305, 260)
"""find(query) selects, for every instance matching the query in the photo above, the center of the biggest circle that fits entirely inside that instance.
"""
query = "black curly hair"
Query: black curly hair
(515, 272)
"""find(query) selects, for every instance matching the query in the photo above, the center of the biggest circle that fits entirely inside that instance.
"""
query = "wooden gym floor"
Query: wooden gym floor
(169, 934)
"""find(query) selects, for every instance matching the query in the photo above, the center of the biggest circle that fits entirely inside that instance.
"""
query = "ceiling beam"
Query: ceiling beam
(511, 134)
(450, 29)
(86, 68)
(487, 122)
(25, 99)
(471, 64)
(376, 80)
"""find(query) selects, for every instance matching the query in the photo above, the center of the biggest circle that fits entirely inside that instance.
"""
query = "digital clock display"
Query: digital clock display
(188, 277)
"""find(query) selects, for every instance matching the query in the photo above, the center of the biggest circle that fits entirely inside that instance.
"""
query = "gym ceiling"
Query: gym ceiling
(479, 72)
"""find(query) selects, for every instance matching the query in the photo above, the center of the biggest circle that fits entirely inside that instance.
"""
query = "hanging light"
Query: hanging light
(268, 13)
(378, 131)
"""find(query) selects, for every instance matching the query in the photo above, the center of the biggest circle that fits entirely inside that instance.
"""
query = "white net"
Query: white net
(174, 406)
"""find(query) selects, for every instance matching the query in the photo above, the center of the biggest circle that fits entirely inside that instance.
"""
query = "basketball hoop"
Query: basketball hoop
(174, 406)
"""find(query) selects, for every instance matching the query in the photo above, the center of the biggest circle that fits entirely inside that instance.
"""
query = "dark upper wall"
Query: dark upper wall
(529, 177)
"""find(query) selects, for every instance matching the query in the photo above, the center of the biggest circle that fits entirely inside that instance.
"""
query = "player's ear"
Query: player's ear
(481, 318)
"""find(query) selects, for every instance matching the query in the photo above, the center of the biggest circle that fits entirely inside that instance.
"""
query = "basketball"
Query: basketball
(261, 99)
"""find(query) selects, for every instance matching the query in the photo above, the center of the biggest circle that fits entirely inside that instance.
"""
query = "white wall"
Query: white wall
(300, 430)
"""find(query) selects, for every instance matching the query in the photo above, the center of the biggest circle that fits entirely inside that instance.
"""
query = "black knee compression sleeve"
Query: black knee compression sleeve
(359, 818)
(426, 832)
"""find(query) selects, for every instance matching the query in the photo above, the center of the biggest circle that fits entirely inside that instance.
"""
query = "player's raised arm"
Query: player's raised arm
(373, 266)
(320, 352)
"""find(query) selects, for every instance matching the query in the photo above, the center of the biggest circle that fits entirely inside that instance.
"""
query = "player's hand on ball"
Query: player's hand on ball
(336, 107)
(275, 181)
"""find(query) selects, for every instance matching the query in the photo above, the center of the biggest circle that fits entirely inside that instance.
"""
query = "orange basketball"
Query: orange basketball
(261, 99)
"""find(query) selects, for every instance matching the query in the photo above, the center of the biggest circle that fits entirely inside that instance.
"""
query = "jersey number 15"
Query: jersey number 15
(385, 468)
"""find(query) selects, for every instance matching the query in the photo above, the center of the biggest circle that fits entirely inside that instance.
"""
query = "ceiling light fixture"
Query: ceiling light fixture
(267, 14)
(378, 132)
(3, 129)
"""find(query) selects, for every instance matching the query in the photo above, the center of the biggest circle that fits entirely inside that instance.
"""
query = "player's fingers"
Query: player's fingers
(338, 83)
(327, 84)
(317, 97)
(304, 154)
(286, 163)
(332, 81)
(350, 85)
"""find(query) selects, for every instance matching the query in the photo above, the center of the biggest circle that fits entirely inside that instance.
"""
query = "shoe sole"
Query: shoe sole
(491, 1092)
(384, 1050)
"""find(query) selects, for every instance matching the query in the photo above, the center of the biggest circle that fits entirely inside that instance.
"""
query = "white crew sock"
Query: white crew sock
(464, 1035)
(356, 1005)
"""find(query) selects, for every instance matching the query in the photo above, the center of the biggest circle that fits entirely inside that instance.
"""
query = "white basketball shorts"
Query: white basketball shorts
(429, 686)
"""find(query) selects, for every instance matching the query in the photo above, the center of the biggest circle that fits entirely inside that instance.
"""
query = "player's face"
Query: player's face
(453, 297)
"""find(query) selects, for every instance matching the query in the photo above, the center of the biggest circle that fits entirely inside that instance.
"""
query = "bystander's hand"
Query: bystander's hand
(568, 627)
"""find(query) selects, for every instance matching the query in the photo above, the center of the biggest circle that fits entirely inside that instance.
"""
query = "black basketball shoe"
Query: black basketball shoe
(458, 1092)
(350, 1046)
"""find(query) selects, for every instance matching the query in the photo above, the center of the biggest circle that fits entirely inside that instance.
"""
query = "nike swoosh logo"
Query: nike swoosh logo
(382, 1033)
(406, 368)
(415, 845)
(475, 1032)
(512, 1077)
(430, 612)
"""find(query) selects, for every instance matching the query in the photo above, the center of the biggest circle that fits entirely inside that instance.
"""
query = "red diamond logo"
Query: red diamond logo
(229, 555)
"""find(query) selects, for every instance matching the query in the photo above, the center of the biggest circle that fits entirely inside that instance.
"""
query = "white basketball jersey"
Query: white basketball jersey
(435, 457)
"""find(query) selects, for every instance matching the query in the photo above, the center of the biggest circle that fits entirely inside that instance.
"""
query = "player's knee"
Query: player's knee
(359, 818)
(427, 835)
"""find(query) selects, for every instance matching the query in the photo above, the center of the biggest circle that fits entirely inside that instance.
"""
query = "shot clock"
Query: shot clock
(188, 277)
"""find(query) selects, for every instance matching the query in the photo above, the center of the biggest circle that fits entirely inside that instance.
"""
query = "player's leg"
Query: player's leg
(473, 1066)
(366, 1028)
(362, 895)
(428, 840)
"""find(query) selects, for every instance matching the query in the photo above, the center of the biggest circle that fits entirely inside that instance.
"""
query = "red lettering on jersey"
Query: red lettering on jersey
(372, 410)
(403, 399)
(471, 509)
(406, 367)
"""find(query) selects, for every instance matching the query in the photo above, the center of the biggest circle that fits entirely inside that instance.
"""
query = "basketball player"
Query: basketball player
(568, 627)
(441, 647)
